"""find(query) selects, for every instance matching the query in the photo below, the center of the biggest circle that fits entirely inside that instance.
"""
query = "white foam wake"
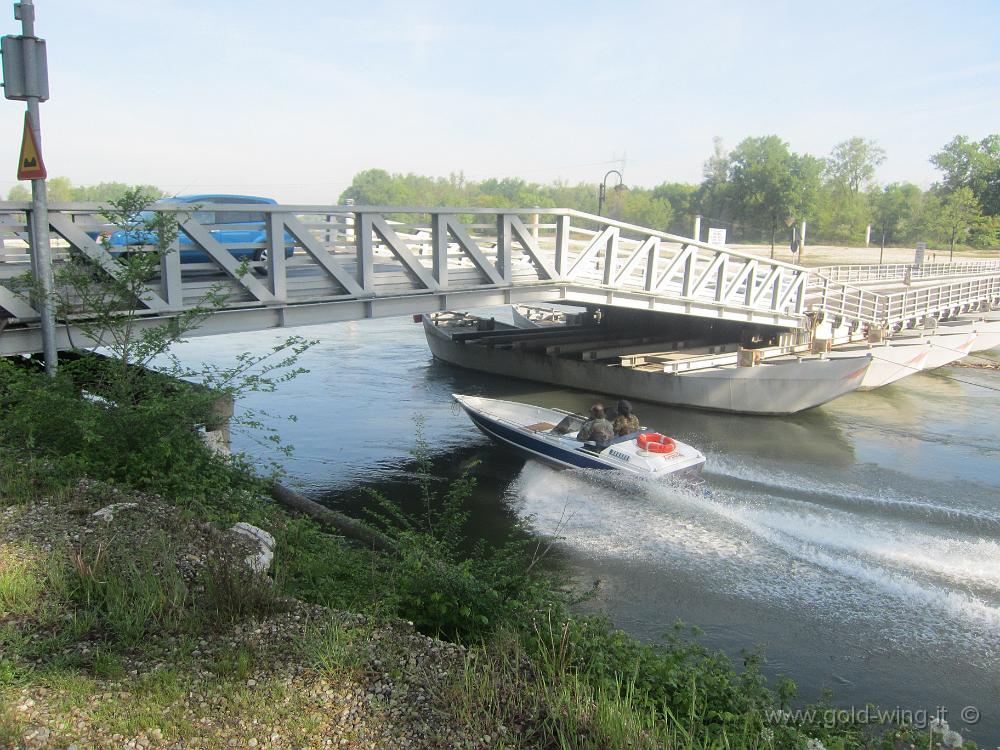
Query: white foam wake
(774, 548)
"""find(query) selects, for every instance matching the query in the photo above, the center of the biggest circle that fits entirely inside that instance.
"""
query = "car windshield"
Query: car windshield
(239, 217)
(228, 217)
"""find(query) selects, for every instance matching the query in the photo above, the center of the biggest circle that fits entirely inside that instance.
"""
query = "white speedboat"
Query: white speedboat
(549, 435)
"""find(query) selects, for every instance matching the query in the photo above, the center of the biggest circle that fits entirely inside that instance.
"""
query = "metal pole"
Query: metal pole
(601, 192)
(41, 248)
(697, 228)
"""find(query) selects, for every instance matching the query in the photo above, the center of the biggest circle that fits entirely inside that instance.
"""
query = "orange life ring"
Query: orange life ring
(646, 438)
(667, 446)
(654, 442)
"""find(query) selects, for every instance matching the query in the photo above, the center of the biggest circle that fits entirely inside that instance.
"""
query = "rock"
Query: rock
(217, 441)
(107, 513)
(260, 562)
(36, 737)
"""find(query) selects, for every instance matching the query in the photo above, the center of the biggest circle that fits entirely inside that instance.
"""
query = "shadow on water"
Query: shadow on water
(489, 520)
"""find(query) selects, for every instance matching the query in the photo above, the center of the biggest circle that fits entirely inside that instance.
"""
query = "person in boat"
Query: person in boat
(626, 422)
(597, 429)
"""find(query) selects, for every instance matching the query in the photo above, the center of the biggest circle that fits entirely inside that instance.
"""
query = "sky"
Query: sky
(291, 99)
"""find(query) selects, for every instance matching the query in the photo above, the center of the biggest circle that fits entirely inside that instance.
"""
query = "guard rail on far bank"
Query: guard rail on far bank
(902, 271)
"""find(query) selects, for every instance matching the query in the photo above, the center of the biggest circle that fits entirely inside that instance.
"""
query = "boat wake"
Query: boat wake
(913, 505)
(830, 553)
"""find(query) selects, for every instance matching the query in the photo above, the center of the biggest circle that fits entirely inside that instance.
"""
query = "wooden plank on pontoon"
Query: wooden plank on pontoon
(645, 346)
(517, 334)
(678, 349)
(585, 346)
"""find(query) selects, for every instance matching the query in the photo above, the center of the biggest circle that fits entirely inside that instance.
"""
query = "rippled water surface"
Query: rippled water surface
(859, 542)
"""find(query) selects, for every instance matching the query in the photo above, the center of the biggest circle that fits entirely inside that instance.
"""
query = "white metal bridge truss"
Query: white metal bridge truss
(358, 262)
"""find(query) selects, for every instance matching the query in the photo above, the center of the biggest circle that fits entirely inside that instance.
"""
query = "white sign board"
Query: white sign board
(717, 236)
(918, 259)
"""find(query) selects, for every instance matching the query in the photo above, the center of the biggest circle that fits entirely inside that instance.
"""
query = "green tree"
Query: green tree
(891, 207)
(714, 197)
(682, 198)
(844, 211)
(20, 192)
(975, 165)
(807, 186)
(764, 186)
(62, 190)
(639, 206)
(852, 163)
(958, 213)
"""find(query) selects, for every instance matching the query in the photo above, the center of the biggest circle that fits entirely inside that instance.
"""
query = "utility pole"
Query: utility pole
(26, 79)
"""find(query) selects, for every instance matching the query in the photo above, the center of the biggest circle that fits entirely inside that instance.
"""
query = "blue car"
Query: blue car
(247, 236)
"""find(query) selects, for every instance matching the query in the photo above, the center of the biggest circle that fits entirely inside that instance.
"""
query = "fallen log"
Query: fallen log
(342, 524)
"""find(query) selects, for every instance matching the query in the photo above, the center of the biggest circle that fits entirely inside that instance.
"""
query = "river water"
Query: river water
(859, 542)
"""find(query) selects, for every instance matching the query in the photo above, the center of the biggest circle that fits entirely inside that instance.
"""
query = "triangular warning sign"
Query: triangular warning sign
(31, 166)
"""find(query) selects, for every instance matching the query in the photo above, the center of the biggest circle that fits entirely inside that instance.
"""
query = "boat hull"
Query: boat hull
(784, 387)
(563, 452)
(946, 347)
(889, 362)
(987, 333)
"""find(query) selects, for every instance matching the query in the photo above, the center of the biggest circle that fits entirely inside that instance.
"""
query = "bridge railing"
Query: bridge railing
(323, 254)
(909, 306)
(833, 298)
(901, 271)
(920, 302)
(634, 261)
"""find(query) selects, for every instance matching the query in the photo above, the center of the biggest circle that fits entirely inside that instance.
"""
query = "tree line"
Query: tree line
(62, 190)
(759, 191)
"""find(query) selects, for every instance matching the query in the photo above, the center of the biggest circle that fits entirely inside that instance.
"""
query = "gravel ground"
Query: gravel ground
(305, 677)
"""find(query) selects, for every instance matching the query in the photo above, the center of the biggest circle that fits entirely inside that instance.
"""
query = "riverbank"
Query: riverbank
(149, 629)
(141, 626)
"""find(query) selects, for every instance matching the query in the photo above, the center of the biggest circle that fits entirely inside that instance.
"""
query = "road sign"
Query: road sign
(717, 237)
(30, 166)
(25, 69)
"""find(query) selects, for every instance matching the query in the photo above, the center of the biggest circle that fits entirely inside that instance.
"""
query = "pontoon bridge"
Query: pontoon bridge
(375, 261)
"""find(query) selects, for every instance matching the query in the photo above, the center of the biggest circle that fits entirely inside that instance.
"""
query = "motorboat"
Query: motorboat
(549, 435)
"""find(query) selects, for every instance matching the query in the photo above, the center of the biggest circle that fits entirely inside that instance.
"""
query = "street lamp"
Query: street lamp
(602, 192)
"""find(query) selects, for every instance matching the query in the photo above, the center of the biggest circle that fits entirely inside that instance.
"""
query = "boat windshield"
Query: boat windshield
(570, 423)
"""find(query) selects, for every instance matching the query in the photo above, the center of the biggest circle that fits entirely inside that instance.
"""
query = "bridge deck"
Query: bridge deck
(358, 262)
